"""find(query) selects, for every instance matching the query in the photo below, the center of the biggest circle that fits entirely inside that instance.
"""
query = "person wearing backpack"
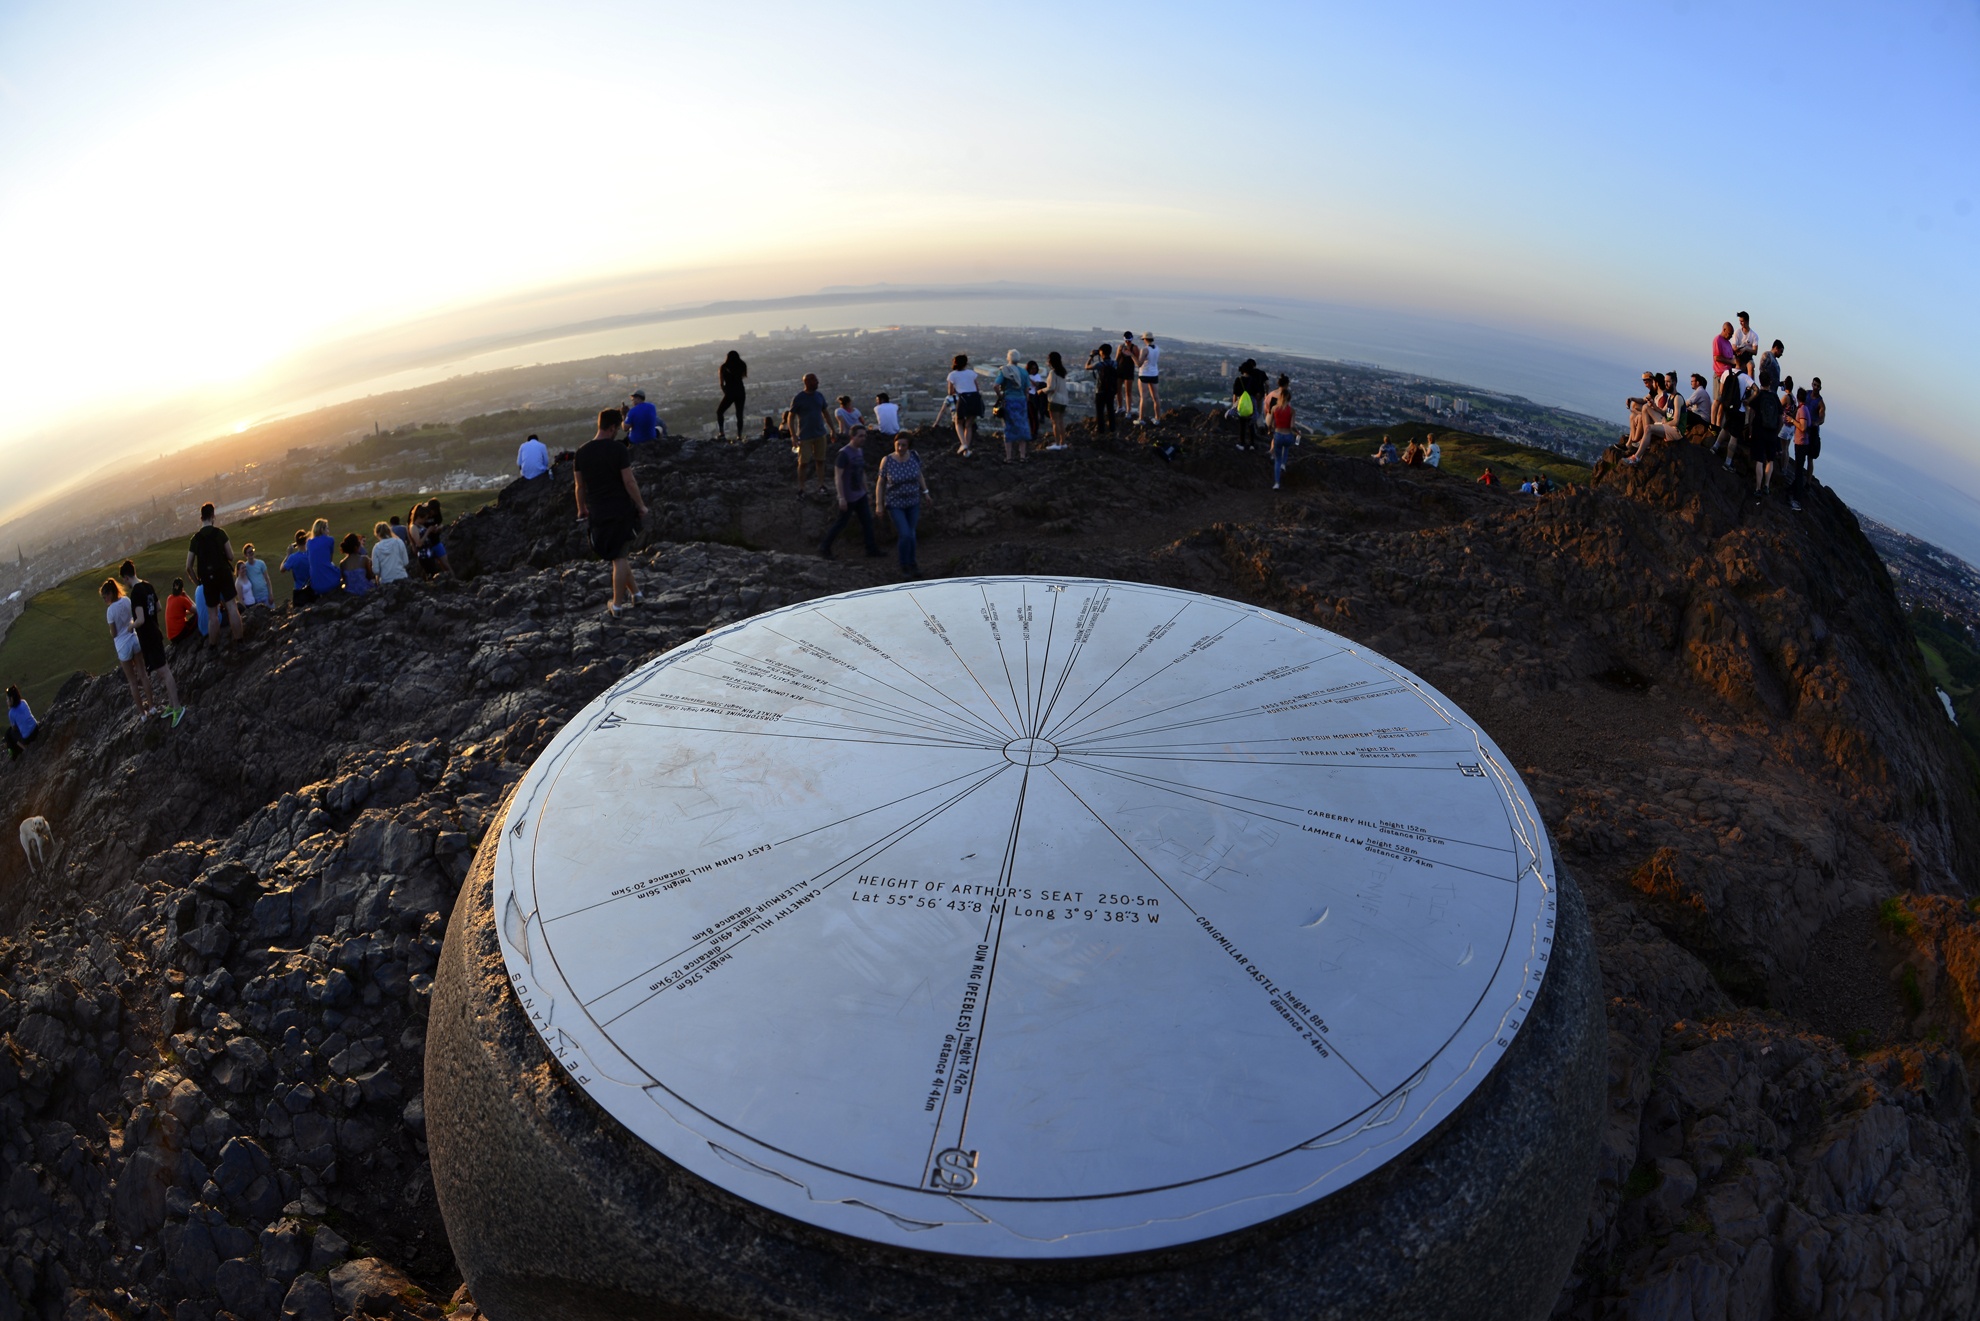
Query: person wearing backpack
(1247, 391)
(1731, 409)
(1763, 437)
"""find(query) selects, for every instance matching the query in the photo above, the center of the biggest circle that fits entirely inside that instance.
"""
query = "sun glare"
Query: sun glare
(240, 426)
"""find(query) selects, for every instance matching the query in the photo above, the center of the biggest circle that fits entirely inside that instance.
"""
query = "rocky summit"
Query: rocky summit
(213, 994)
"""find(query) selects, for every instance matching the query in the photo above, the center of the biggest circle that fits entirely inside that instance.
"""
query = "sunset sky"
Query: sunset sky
(195, 199)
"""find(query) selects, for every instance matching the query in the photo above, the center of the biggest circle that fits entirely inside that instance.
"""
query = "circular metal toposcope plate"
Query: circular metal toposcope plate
(1025, 917)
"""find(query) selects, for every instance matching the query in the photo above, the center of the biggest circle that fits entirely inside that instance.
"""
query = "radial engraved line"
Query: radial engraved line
(767, 690)
(1267, 802)
(970, 715)
(1084, 626)
(1064, 728)
(939, 716)
(1246, 713)
(942, 632)
(848, 863)
(1164, 883)
(891, 739)
(995, 622)
(1288, 672)
(1044, 664)
(868, 811)
(1184, 792)
(1132, 657)
(995, 939)
(883, 711)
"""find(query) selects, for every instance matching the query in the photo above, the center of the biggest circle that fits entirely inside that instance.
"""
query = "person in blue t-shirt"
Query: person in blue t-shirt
(296, 565)
(21, 723)
(643, 421)
(199, 608)
(324, 576)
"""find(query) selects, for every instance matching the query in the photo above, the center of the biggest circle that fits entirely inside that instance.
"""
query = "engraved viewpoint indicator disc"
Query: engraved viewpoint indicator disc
(1020, 917)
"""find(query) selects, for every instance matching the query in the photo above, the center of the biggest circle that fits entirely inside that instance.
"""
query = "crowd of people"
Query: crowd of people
(1749, 411)
(229, 589)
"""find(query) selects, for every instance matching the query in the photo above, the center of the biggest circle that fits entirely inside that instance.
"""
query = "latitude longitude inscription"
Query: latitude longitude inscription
(1025, 917)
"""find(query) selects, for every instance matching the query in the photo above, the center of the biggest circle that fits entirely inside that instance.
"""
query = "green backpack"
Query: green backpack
(1245, 406)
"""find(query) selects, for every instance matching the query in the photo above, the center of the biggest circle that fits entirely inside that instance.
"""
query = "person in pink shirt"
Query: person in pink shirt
(1722, 350)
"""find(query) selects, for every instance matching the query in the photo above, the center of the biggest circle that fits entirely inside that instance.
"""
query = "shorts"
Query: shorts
(153, 647)
(1765, 447)
(219, 589)
(1150, 380)
(1813, 449)
(810, 449)
(127, 647)
(612, 537)
(969, 405)
(437, 551)
(304, 594)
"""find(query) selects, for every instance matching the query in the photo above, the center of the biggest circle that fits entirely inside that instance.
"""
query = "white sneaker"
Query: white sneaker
(1275, 486)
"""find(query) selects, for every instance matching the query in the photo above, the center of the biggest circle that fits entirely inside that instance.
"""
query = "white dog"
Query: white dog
(36, 839)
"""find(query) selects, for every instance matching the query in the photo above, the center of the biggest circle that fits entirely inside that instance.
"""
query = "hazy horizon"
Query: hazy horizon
(268, 206)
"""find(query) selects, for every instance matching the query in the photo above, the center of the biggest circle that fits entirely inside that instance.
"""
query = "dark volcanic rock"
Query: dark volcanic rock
(1717, 706)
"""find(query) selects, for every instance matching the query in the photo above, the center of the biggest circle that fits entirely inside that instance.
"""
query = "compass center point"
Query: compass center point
(1030, 751)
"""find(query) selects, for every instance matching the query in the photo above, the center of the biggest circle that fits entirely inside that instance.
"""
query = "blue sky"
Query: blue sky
(197, 199)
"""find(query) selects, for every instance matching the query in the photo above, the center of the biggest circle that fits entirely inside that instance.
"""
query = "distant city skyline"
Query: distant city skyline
(266, 204)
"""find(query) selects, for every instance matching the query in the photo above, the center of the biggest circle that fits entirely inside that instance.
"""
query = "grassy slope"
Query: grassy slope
(1954, 665)
(1465, 454)
(62, 629)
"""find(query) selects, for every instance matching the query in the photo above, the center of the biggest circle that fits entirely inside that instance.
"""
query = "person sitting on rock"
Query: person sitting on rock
(533, 459)
(296, 565)
(389, 556)
(356, 565)
(21, 724)
(1433, 453)
(178, 613)
(1385, 453)
(1486, 478)
(1412, 455)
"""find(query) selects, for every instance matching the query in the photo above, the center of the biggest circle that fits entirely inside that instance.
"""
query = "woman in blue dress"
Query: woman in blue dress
(1014, 397)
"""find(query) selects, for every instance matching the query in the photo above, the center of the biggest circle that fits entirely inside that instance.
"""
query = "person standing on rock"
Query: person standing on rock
(1057, 394)
(1770, 366)
(1732, 410)
(1722, 352)
(901, 489)
(609, 503)
(1283, 438)
(730, 376)
(389, 557)
(533, 458)
(1763, 437)
(809, 429)
(1807, 443)
(849, 477)
(643, 424)
(1101, 363)
(145, 615)
(1150, 375)
(123, 636)
(1127, 364)
(210, 559)
(966, 394)
(1014, 402)
(1744, 340)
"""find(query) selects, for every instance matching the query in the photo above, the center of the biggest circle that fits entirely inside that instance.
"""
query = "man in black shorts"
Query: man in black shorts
(210, 560)
(608, 500)
(151, 637)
